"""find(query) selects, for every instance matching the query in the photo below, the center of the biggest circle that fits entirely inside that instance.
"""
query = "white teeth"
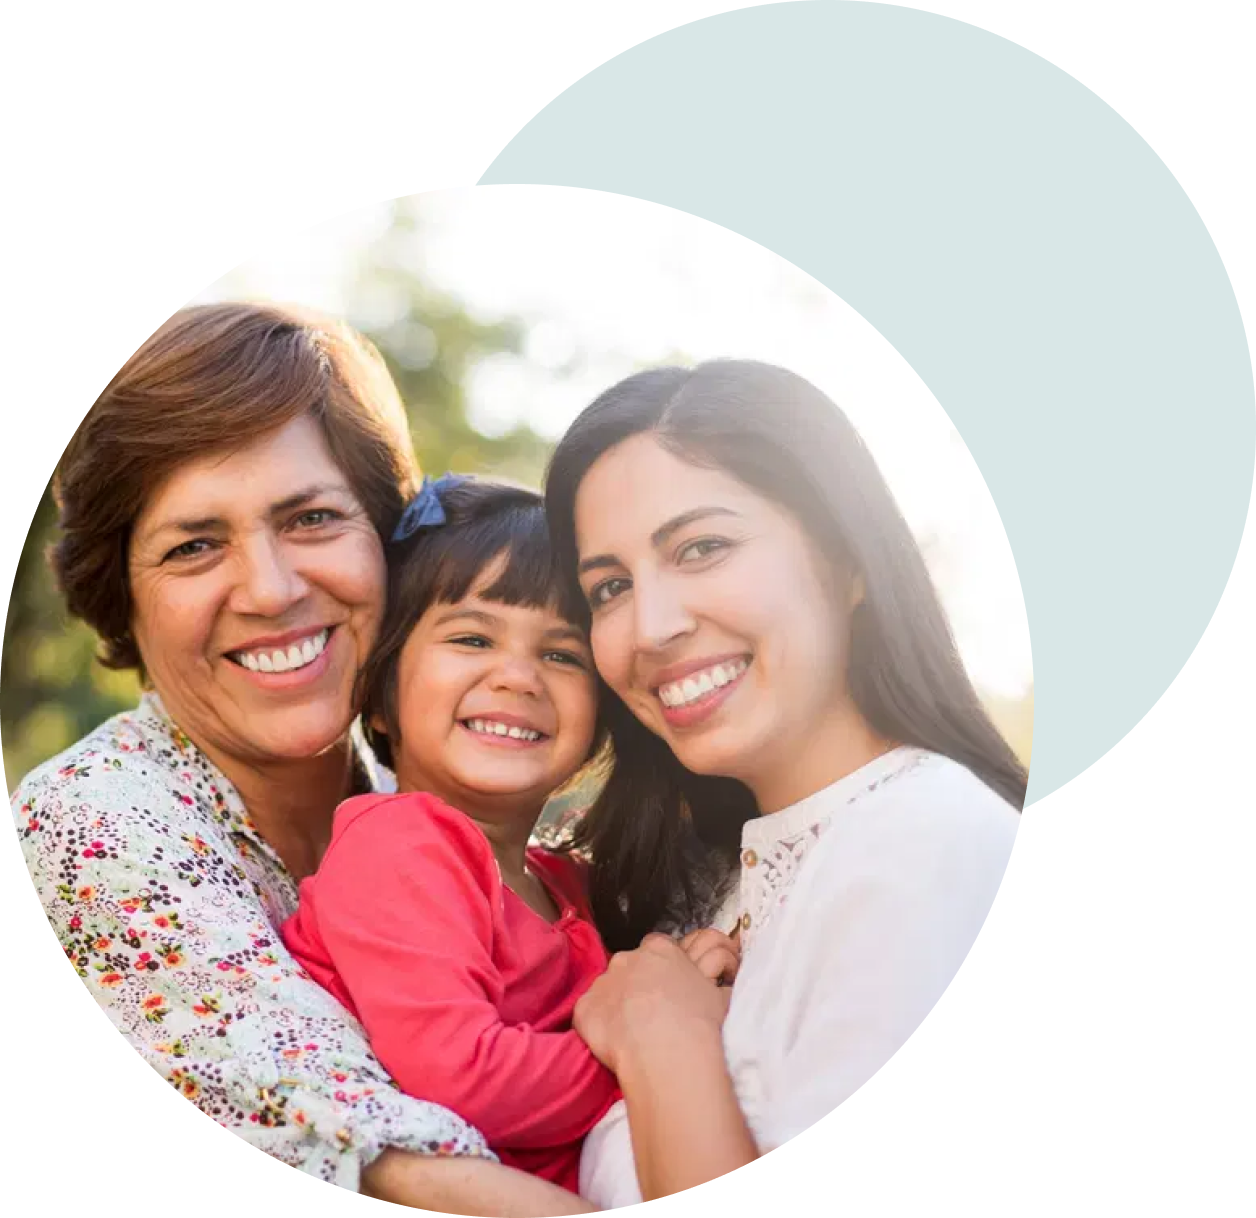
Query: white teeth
(698, 685)
(280, 660)
(490, 727)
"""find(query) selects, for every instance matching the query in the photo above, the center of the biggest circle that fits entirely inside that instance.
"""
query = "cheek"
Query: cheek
(583, 710)
(356, 574)
(574, 701)
(612, 650)
(172, 618)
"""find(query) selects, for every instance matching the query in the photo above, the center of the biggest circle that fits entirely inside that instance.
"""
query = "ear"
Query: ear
(377, 724)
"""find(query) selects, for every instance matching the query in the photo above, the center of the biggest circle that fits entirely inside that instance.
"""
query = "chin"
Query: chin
(305, 736)
(486, 788)
(722, 756)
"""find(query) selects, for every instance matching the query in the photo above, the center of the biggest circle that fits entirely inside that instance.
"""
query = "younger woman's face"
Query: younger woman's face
(496, 705)
(713, 617)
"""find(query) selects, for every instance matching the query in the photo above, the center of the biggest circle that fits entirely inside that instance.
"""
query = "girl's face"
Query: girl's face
(496, 704)
(713, 618)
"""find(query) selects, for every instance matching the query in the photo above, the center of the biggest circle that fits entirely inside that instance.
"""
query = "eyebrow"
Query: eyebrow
(206, 524)
(485, 618)
(660, 535)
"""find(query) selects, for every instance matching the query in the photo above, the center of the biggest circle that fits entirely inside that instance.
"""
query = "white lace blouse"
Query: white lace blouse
(857, 907)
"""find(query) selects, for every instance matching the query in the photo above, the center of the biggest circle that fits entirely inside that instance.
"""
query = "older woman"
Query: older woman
(222, 509)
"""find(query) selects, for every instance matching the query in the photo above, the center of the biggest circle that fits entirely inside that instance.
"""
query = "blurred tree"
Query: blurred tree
(1014, 717)
(51, 688)
(52, 691)
(431, 344)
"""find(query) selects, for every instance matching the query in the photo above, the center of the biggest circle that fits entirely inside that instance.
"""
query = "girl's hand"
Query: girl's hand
(649, 1000)
(715, 954)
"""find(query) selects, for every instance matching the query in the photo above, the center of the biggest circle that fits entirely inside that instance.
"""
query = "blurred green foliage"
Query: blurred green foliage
(51, 691)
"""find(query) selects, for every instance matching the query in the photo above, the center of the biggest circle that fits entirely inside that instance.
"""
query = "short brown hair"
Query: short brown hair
(212, 378)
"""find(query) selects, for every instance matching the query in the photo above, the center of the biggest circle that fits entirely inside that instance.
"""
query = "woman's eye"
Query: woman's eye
(703, 547)
(188, 549)
(605, 592)
(315, 517)
(471, 640)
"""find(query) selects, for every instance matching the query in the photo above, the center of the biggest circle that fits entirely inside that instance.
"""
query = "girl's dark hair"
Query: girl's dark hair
(662, 838)
(484, 521)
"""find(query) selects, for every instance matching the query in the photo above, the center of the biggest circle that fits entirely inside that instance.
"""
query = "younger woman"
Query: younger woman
(790, 720)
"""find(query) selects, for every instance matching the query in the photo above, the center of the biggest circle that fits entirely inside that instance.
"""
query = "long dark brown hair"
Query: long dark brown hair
(662, 838)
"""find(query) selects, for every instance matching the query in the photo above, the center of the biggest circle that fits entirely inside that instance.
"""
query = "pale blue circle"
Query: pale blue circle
(1030, 256)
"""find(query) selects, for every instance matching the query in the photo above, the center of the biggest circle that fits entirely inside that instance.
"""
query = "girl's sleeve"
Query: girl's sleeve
(894, 906)
(403, 906)
(154, 912)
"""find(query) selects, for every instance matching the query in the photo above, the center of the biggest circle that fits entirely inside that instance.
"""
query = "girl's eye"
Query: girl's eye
(605, 592)
(703, 547)
(566, 657)
(471, 640)
(188, 549)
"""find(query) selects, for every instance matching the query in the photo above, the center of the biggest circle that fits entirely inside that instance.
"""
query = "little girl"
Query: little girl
(461, 949)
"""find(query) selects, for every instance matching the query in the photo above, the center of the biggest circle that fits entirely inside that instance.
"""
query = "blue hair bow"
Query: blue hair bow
(425, 510)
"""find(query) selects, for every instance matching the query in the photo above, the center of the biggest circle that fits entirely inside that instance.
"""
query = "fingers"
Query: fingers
(658, 944)
(714, 954)
(697, 942)
(718, 964)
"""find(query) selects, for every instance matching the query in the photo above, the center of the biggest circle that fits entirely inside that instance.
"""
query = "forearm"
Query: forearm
(687, 1126)
(465, 1186)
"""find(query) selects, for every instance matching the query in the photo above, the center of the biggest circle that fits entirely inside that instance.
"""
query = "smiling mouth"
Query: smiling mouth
(295, 656)
(496, 730)
(689, 691)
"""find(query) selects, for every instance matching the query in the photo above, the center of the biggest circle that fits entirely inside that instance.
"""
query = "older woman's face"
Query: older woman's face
(258, 583)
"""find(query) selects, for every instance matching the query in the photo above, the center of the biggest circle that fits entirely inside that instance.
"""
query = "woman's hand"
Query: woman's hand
(715, 954)
(652, 997)
(656, 1018)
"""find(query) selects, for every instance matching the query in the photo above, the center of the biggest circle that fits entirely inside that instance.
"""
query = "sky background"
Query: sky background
(604, 285)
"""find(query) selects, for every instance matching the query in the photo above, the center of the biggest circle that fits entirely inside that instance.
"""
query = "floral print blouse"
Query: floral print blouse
(167, 902)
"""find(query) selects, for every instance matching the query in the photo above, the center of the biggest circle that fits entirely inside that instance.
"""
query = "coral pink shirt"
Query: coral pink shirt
(465, 992)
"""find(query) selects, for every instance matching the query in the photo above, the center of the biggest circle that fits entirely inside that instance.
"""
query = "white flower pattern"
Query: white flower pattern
(167, 902)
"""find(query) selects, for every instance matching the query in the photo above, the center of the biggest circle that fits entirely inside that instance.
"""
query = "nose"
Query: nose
(517, 675)
(269, 583)
(661, 615)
